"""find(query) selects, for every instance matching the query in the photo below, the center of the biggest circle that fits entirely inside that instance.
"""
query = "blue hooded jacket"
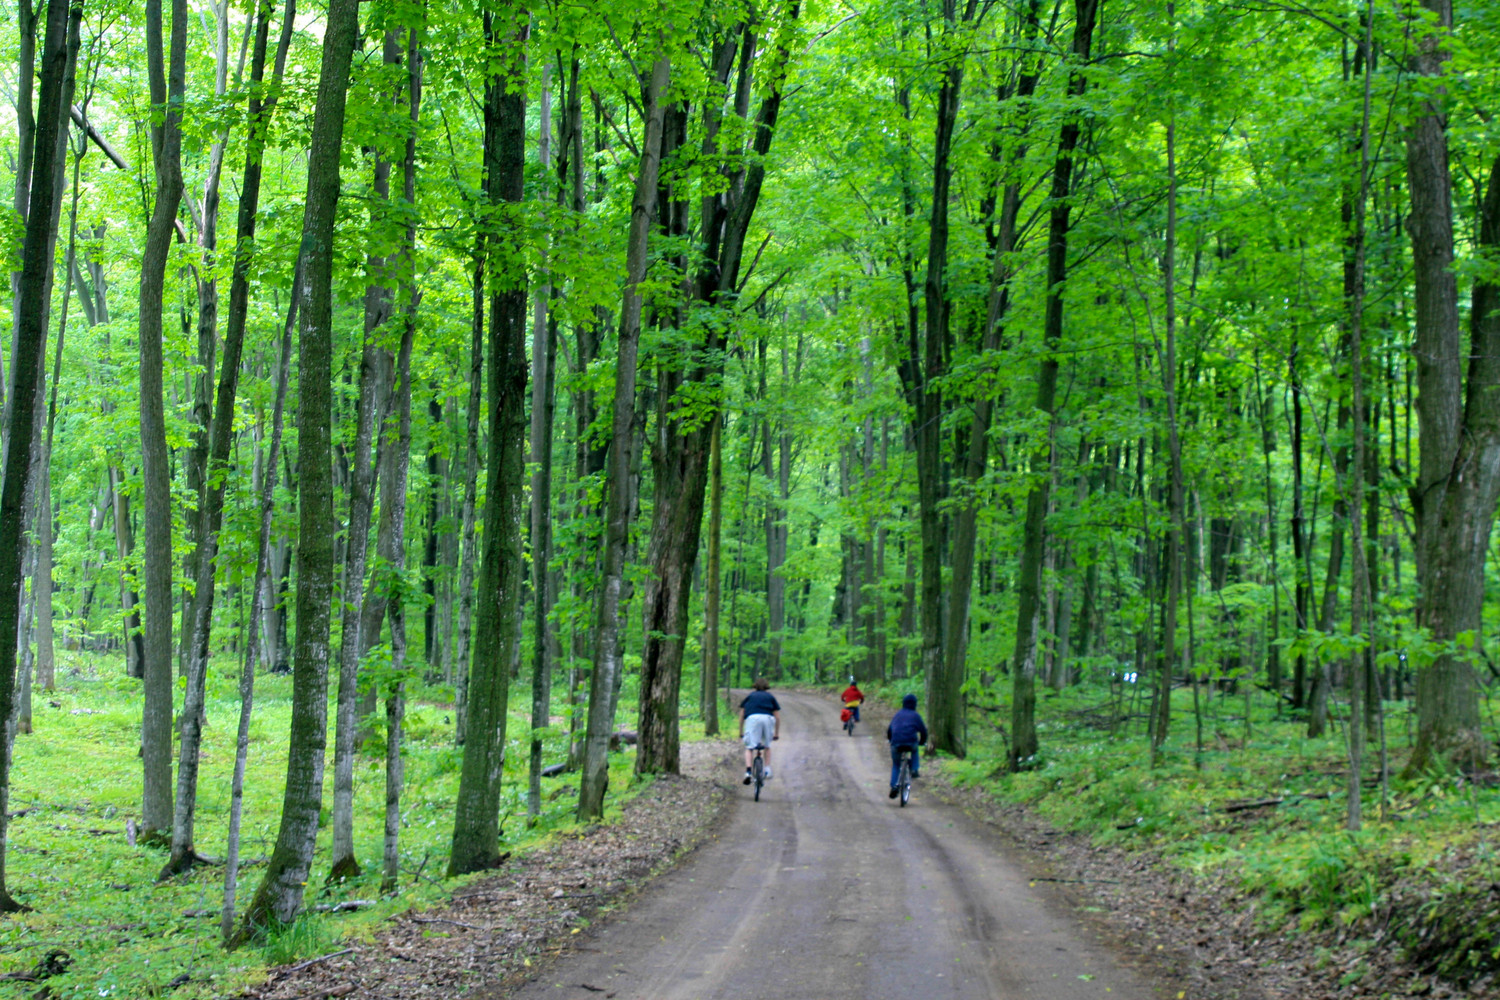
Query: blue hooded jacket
(907, 728)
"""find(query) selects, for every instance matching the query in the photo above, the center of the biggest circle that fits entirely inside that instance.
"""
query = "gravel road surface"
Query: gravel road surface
(826, 890)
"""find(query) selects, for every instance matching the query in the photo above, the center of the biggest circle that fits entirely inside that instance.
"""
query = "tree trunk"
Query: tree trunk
(543, 400)
(221, 434)
(708, 701)
(280, 894)
(374, 387)
(266, 502)
(476, 826)
(1029, 580)
(1458, 436)
(608, 654)
(471, 489)
(966, 524)
(680, 458)
(156, 721)
(29, 346)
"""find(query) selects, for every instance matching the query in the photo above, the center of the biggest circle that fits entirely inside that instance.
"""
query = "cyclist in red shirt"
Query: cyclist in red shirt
(852, 697)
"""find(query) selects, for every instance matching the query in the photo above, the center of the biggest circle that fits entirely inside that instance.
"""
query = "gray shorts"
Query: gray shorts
(759, 730)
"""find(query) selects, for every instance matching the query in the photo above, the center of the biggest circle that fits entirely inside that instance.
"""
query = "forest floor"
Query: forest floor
(1232, 862)
(498, 931)
(102, 926)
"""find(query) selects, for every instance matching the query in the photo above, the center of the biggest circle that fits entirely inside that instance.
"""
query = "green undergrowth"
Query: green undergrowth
(76, 784)
(1421, 868)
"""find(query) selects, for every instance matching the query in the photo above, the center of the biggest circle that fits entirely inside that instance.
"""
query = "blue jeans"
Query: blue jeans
(855, 710)
(916, 762)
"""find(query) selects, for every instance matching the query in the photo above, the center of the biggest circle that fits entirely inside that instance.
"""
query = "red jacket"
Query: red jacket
(853, 693)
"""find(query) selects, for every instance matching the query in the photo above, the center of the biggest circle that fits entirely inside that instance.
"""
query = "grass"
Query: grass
(96, 898)
(1306, 871)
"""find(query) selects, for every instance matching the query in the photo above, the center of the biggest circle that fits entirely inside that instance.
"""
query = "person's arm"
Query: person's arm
(776, 732)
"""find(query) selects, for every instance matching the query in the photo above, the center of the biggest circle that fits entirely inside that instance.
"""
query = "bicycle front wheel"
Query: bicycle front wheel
(759, 774)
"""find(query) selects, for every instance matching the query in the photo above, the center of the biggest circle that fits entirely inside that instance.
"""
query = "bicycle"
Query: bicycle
(849, 723)
(903, 781)
(758, 769)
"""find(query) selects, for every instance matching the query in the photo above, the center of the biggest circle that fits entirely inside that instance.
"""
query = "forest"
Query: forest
(450, 386)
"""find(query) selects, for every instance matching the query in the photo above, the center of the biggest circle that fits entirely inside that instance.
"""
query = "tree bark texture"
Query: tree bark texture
(476, 822)
(29, 340)
(608, 654)
(1033, 553)
(279, 896)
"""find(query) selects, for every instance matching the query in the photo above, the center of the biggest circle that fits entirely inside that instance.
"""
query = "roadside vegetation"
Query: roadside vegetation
(1263, 806)
(96, 898)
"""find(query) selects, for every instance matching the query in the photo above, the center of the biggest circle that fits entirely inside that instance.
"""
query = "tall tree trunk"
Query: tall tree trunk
(476, 826)
(680, 459)
(708, 702)
(29, 345)
(280, 894)
(1176, 502)
(167, 87)
(966, 524)
(393, 489)
(374, 387)
(608, 653)
(543, 398)
(1459, 424)
(221, 431)
(1029, 581)
(924, 390)
(471, 489)
(266, 503)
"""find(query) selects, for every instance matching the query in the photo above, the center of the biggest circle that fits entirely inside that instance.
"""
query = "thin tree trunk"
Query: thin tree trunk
(608, 653)
(708, 700)
(374, 387)
(543, 399)
(221, 432)
(266, 501)
(471, 488)
(393, 491)
(156, 722)
(1024, 745)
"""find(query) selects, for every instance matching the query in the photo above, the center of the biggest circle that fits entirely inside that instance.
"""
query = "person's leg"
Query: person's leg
(895, 765)
(916, 760)
(856, 713)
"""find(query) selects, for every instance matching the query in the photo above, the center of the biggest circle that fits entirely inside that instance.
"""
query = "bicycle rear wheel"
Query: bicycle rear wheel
(905, 781)
(758, 772)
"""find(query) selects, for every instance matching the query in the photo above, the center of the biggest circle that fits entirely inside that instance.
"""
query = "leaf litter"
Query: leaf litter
(499, 931)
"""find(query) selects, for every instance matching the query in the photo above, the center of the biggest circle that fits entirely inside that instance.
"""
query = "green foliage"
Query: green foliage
(78, 784)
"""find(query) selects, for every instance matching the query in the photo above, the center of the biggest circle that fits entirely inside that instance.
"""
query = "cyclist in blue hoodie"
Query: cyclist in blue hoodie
(906, 731)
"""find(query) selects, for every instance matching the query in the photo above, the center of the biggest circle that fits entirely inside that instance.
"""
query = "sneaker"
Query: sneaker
(893, 792)
(747, 776)
(767, 775)
(915, 776)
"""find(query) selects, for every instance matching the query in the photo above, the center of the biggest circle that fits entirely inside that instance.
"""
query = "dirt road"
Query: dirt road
(826, 890)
